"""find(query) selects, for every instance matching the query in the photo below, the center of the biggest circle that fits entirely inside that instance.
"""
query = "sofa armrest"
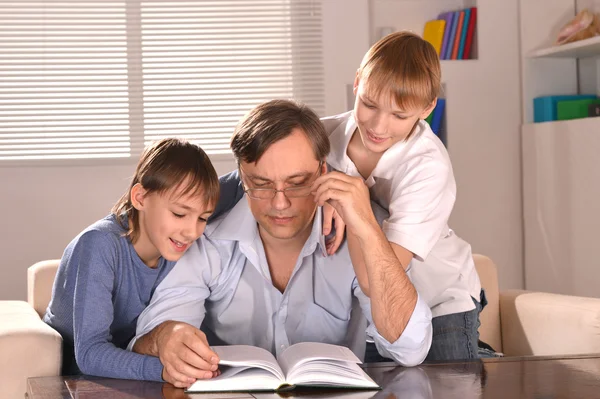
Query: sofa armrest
(29, 348)
(40, 279)
(537, 323)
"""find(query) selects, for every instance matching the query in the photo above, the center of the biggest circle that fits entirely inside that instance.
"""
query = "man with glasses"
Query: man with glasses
(261, 275)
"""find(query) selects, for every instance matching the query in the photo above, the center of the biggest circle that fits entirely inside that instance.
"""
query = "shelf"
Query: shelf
(579, 49)
(590, 124)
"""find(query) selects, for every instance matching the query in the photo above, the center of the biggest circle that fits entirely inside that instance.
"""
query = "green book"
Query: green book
(574, 109)
(429, 118)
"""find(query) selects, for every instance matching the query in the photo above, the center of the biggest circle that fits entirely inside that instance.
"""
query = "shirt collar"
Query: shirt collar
(340, 138)
(239, 225)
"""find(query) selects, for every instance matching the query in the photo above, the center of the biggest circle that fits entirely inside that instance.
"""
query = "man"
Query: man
(261, 275)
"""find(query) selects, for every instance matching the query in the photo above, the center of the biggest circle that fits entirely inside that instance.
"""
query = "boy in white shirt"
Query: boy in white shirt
(385, 145)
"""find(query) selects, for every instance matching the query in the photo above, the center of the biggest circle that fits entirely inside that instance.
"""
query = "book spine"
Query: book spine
(470, 33)
(447, 16)
(448, 54)
(463, 35)
(459, 25)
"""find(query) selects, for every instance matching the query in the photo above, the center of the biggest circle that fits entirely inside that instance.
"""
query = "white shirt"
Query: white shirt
(415, 183)
(223, 283)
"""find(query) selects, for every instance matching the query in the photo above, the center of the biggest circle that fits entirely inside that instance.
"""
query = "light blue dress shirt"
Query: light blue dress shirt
(223, 283)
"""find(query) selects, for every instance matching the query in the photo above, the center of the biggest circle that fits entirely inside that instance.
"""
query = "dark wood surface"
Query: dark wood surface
(537, 378)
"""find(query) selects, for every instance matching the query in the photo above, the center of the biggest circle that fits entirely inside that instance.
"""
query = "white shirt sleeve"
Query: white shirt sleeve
(412, 347)
(181, 295)
(420, 206)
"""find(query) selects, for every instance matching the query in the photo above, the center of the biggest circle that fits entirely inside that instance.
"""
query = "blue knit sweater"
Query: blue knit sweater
(100, 289)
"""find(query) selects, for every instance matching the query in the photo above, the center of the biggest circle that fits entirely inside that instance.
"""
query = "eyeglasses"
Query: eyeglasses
(289, 192)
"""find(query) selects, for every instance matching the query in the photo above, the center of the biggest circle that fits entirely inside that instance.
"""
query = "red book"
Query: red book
(470, 33)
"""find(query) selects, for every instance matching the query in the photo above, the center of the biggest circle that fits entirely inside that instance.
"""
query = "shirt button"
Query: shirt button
(282, 346)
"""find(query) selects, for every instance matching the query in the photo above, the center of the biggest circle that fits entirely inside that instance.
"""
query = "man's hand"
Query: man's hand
(183, 350)
(350, 198)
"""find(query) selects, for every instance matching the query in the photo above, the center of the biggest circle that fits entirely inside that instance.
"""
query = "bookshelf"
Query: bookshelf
(559, 158)
(580, 49)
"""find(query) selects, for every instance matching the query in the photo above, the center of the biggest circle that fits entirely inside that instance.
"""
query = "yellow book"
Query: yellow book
(434, 33)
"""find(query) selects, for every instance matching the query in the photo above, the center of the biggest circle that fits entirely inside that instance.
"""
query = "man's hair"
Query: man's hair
(275, 120)
(166, 165)
(404, 66)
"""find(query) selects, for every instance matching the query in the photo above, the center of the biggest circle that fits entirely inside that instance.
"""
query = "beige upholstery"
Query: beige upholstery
(489, 331)
(29, 347)
(522, 323)
(40, 278)
(538, 323)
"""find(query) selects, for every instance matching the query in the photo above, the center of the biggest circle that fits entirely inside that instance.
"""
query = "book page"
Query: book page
(242, 378)
(303, 352)
(245, 355)
(331, 373)
(313, 363)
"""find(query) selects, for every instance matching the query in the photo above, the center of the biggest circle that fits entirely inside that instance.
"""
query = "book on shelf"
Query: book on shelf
(448, 54)
(247, 368)
(470, 33)
(545, 107)
(448, 17)
(459, 27)
(434, 33)
(457, 36)
(438, 114)
(463, 35)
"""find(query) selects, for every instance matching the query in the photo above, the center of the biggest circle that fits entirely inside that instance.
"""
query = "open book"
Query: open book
(249, 368)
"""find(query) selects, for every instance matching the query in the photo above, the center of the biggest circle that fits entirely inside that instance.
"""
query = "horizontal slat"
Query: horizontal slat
(60, 140)
(117, 145)
(37, 157)
(212, 98)
(249, 102)
(72, 135)
(57, 151)
(102, 128)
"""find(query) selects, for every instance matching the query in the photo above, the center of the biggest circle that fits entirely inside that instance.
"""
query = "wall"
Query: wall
(46, 206)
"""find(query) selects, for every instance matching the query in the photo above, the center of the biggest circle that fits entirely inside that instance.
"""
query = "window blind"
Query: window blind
(92, 79)
(63, 80)
(206, 63)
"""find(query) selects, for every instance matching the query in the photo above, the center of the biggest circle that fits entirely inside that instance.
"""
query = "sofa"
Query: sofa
(515, 322)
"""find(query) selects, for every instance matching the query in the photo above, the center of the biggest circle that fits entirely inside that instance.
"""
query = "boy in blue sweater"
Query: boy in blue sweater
(109, 271)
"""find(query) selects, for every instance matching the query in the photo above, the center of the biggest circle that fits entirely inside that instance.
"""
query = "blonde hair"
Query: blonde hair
(164, 165)
(404, 66)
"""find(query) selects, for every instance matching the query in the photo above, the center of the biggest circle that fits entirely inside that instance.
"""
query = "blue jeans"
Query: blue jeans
(455, 337)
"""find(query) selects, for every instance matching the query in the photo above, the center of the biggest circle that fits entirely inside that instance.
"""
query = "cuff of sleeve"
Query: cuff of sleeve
(153, 369)
(414, 245)
(411, 348)
(131, 343)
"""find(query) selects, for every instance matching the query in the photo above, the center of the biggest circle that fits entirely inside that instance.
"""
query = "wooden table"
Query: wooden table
(527, 377)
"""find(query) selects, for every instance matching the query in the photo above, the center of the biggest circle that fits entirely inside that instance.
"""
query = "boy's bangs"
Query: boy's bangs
(197, 185)
(407, 92)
